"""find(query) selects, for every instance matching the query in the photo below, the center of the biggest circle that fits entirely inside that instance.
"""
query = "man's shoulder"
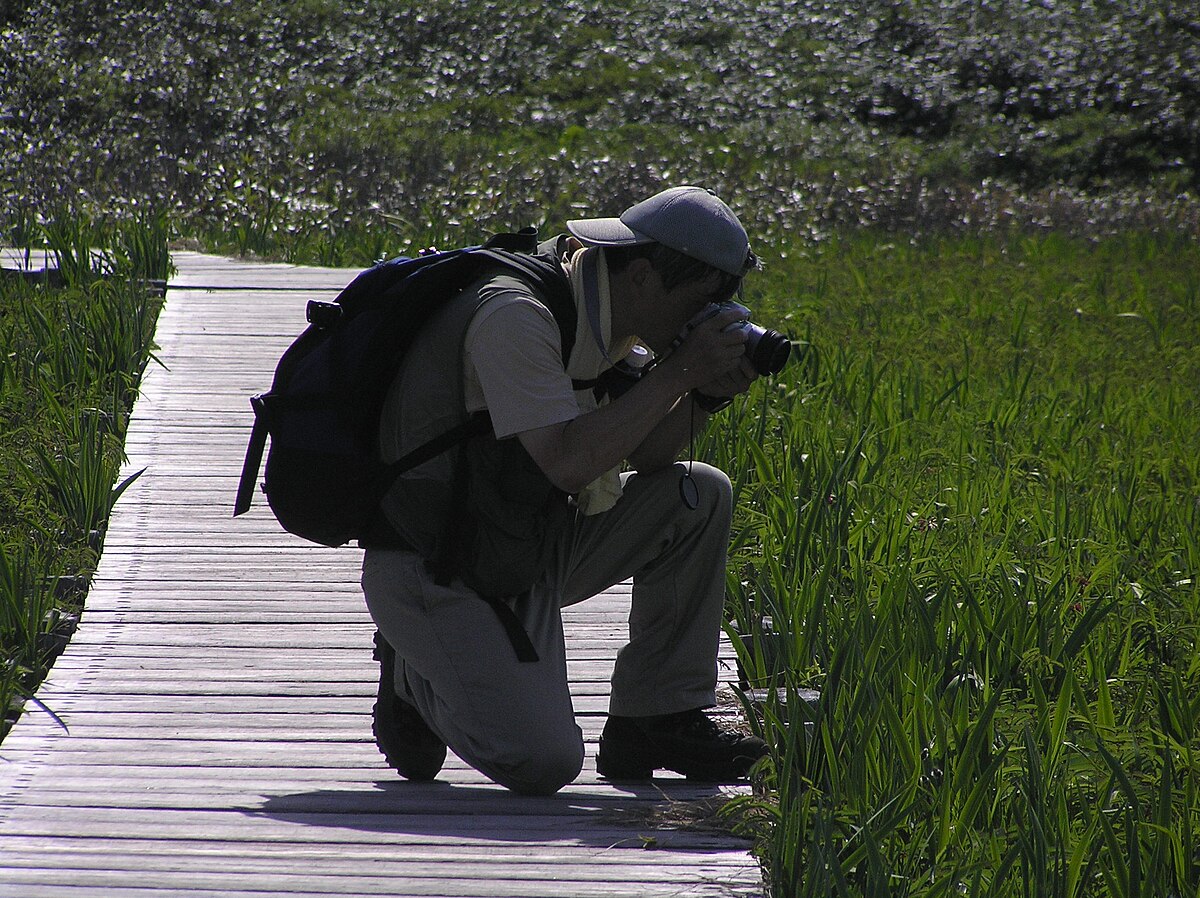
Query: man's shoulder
(515, 282)
(508, 307)
(510, 297)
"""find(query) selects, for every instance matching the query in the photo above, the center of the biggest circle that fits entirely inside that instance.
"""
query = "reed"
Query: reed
(969, 523)
(75, 343)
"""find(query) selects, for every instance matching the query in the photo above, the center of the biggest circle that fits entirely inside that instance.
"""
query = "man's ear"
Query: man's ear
(574, 245)
(639, 272)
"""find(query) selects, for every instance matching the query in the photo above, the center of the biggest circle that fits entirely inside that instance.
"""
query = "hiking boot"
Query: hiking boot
(632, 748)
(401, 733)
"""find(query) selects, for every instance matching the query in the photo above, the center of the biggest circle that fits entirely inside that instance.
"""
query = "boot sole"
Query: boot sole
(695, 772)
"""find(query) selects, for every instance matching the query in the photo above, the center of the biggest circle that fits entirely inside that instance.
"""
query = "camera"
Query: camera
(767, 350)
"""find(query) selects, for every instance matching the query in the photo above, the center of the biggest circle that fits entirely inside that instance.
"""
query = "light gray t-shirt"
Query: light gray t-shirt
(512, 361)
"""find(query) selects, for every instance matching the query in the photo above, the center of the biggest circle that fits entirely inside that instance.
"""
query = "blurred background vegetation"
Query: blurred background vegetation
(341, 129)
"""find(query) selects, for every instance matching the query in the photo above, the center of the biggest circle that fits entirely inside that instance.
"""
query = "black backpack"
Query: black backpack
(324, 477)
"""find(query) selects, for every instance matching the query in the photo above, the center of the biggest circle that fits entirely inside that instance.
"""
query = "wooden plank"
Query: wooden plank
(115, 885)
(211, 795)
(569, 826)
(218, 690)
(265, 780)
(464, 866)
(99, 851)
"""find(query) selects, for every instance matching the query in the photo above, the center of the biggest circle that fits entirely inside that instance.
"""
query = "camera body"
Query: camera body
(767, 350)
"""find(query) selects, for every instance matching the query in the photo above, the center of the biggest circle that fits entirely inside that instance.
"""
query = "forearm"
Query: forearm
(639, 426)
(664, 443)
(647, 425)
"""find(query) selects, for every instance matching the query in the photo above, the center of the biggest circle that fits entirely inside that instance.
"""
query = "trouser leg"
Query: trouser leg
(511, 720)
(514, 721)
(676, 556)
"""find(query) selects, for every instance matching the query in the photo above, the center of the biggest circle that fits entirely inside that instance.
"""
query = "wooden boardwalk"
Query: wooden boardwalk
(218, 691)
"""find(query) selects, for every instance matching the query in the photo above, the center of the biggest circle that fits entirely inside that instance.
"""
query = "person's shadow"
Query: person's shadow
(659, 814)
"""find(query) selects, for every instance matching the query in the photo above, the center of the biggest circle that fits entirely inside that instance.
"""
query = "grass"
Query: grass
(75, 341)
(968, 516)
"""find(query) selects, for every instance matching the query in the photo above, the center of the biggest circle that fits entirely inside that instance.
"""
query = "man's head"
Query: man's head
(686, 233)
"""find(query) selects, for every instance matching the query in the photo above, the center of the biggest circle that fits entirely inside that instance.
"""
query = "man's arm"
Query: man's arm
(663, 444)
(648, 424)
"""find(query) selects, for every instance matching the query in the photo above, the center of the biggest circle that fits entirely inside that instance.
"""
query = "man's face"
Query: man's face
(673, 309)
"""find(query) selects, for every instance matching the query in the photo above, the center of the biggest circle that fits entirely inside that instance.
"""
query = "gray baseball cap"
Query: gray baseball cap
(691, 220)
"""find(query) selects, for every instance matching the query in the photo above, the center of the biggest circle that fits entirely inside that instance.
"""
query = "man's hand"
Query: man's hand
(733, 383)
(707, 354)
(648, 425)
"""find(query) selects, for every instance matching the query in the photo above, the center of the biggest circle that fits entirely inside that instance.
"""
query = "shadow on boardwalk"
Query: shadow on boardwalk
(672, 810)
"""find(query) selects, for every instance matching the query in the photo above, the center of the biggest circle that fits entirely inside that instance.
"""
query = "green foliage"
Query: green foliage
(966, 513)
(261, 125)
(75, 340)
(967, 517)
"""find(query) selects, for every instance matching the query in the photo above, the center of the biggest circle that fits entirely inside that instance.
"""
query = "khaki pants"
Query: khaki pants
(514, 721)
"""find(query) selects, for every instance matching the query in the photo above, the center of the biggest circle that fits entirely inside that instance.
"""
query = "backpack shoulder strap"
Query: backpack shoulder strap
(549, 281)
(546, 276)
(523, 241)
(252, 463)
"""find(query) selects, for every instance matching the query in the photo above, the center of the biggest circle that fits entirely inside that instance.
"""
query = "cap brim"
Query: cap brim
(605, 232)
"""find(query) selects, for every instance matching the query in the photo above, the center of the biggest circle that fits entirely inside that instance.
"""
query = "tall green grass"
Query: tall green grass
(968, 517)
(75, 340)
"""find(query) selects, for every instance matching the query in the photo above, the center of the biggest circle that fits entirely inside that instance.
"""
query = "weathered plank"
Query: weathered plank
(218, 691)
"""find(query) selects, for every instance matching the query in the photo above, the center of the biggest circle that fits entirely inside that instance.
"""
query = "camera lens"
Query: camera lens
(767, 350)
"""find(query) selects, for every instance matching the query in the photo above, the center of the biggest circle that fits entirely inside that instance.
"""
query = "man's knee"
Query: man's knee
(541, 767)
(713, 483)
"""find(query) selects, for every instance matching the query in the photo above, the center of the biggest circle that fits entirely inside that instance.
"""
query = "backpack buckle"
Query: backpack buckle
(323, 314)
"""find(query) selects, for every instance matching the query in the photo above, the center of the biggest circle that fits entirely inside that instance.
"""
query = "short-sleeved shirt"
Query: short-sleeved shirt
(512, 361)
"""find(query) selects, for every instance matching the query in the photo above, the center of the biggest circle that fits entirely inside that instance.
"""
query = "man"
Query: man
(450, 672)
